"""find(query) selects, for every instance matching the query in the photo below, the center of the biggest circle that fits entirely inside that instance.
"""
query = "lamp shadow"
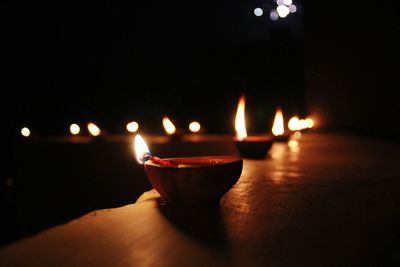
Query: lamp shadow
(203, 224)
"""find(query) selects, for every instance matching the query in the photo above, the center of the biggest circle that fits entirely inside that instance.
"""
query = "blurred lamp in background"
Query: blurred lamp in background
(74, 129)
(132, 127)
(93, 129)
(194, 127)
(25, 132)
(169, 127)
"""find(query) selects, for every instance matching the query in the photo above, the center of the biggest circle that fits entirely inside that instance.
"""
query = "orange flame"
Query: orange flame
(141, 149)
(93, 129)
(168, 126)
(278, 126)
(25, 132)
(240, 123)
(194, 127)
(132, 127)
(293, 123)
(310, 123)
(74, 129)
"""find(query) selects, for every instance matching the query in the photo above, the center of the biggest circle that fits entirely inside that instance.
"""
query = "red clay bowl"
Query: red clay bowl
(254, 147)
(282, 138)
(196, 180)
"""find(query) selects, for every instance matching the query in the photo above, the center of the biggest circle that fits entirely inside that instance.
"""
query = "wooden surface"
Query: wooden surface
(328, 200)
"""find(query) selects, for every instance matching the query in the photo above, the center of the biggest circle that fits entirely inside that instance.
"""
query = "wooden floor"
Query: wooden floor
(325, 200)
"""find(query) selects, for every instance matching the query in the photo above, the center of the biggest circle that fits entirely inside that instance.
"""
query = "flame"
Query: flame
(194, 127)
(25, 132)
(310, 123)
(168, 126)
(293, 123)
(240, 124)
(132, 127)
(74, 129)
(141, 149)
(93, 129)
(296, 124)
(278, 127)
(302, 124)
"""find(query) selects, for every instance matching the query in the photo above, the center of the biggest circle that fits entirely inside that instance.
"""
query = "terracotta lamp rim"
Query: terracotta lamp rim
(197, 162)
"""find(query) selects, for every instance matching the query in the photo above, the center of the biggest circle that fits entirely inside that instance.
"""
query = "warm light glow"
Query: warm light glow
(25, 132)
(194, 127)
(93, 129)
(132, 127)
(273, 15)
(287, 2)
(168, 126)
(293, 145)
(258, 12)
(293, 124)
(240, 124)
(283, 11)
(302, 124)
(278, 127)
(296, 135)
(141, 149)
(309, 123)
(74, 129)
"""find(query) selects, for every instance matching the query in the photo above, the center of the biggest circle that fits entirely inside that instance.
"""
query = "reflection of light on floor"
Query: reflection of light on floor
(294, 150)
(277, 176)
(295, 136)
(293, 145)
(278, 151)
(285, 157)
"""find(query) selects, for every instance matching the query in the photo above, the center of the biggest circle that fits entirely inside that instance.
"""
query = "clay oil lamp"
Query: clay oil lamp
(256, 146)
(189, 180)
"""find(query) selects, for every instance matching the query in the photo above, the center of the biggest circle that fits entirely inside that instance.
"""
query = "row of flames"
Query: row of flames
(131, 127)
(278, 127)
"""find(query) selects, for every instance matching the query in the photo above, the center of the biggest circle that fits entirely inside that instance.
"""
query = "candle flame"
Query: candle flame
(310, 123)
(168, 126)
(93, 129)
(240, 124)
(25, 132)
(132, 127)
(293, 123)
(141, 149)
(296, 124)
(278, 126)
(74, 129)
(194, 127)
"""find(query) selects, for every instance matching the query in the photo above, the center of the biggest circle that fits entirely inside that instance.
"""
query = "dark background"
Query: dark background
(190, 61)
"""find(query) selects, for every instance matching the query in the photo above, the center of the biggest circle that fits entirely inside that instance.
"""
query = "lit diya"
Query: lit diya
(189, 180)
(278, 128)
(296, 125)
(195, 127)
(93, 129)
(249, 146)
